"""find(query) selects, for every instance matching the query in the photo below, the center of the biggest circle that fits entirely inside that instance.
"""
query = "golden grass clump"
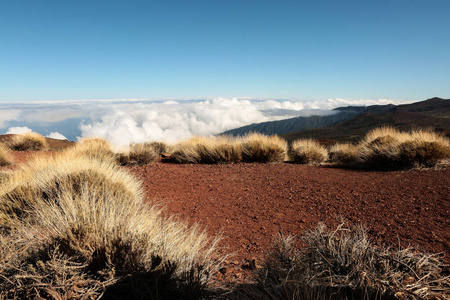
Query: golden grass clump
(30, 141)
(141, 153)
(344, 264)
(308, 151)
(425, 148)
(77, 227)
(6, 157)
(261, 148)
(343, 154)
(93, 148)
(208, 150)
(389, 148)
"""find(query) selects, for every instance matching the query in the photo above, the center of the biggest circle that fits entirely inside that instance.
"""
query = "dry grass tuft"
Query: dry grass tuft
(93, 148)
(77, 227)
(308, 151)
(388, 148)
(30, 141)
(343, 154)
(261, 148)
(343, 264)
(6, 157)
(208, 150)
(141, 153)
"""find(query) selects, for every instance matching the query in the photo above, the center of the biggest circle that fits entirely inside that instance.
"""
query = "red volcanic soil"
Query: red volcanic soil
(250, 203)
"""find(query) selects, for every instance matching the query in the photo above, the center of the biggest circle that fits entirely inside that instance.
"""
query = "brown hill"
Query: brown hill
(53, 144)
(431, 114)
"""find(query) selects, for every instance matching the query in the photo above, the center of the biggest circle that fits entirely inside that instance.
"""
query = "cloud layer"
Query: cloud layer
(126, 121)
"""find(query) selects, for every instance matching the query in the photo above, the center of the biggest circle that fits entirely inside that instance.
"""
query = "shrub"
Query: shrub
(93, 148)
(425, 148)
(308, 151)
(208, 150)
(343, 264)
(389, 148)
(79, 227)
(5, 156)
(30, 141)
(160, 147)
(260, 148)
(343, 154)
(140, 154)
(186, 152)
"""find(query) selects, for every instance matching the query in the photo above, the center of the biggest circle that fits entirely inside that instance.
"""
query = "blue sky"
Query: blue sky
(57, 50)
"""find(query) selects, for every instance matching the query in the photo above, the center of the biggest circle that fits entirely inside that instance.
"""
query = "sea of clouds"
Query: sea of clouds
(126, 121)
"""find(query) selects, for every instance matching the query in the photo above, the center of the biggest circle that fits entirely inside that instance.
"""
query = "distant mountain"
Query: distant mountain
(314, 121)
(432, 113)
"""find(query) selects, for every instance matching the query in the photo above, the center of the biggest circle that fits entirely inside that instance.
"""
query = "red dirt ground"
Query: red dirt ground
(250, 203)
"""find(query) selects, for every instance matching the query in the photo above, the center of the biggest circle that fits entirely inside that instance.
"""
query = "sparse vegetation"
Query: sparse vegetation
(389, 148)
(343, 264)
(208, 150)
(5, 156)
(93, 148)
(343, 154)
(78, 228)
(308, 151)
(30, 141)
(141, 153)
(260, 148)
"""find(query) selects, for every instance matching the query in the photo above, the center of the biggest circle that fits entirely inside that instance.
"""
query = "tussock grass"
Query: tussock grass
(225, 149)
(78, 227)
(208, 150)
(308, 151)
(5, 156)
(30, 141)
(261, 148)
(343, 154)
(343, 264)
(94, 148)
(389, 148)
(141, 153)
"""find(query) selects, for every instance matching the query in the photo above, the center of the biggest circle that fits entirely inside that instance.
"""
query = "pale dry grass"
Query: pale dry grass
(81, 224)
(344, 264)
(389, 148)
(94, 148)
(141, 153)
(208, 150)
(308, 151)
(261, 148)
(343, 154)
(6, 157)
(30, 141)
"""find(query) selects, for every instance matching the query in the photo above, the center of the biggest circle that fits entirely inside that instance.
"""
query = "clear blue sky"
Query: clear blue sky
(55, 50)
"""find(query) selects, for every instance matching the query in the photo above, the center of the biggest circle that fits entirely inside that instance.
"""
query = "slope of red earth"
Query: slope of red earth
(249, 204)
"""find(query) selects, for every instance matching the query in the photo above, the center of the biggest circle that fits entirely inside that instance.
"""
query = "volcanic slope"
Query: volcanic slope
(251, 203)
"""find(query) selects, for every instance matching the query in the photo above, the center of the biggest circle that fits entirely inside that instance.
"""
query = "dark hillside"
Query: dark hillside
(433, 114)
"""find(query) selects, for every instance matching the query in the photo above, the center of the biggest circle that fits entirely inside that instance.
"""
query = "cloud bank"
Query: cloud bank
(125, 121)
(56, 135)
(18, 130)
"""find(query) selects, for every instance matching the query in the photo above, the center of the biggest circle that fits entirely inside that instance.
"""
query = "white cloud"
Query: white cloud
(8, 115)
(51, 114)
(170, 120)
(56, 135)
(18, 130)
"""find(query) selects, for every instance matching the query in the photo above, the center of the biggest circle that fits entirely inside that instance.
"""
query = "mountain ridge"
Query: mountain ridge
(350, 123)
